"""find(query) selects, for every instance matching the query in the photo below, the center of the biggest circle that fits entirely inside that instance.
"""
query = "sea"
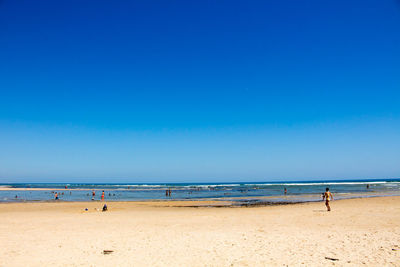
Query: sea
(245, 193)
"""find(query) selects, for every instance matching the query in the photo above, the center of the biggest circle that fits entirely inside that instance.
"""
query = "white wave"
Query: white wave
(207, 185)
(136, 185)
(386, 183)
(324, 183)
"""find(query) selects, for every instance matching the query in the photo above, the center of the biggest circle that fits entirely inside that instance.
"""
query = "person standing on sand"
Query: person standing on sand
(327, 197)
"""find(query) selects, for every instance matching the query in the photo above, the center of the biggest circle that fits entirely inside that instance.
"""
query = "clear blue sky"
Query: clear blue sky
(183, 91)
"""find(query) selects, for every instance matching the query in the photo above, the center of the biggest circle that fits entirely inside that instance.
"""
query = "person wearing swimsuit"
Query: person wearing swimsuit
(327, 197)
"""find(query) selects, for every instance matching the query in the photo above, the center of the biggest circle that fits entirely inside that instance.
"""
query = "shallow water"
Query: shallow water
(268, 192)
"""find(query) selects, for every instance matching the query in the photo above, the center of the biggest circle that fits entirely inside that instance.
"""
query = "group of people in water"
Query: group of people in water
(102, 195)
(168, 192)
(56, 195)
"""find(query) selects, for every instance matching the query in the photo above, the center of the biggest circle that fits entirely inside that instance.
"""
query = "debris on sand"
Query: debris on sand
(332, 259)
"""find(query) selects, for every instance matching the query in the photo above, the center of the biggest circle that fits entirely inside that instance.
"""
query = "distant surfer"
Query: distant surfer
(327, 197)
(367, 186)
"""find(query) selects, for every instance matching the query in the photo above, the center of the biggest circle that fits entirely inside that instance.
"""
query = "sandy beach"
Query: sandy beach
(356, 232)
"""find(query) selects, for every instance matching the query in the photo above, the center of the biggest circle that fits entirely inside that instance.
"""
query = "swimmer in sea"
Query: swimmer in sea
(327, 197)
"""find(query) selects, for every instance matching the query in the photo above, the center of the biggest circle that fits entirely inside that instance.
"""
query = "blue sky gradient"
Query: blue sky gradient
(199, 91)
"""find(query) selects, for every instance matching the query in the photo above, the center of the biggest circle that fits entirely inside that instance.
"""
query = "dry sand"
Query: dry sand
(356, 232)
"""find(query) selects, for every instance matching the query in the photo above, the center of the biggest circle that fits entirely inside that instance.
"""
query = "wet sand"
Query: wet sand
(174, 233)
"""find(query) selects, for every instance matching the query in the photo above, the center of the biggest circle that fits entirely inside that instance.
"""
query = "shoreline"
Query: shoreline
(195, 203)
(233, 201)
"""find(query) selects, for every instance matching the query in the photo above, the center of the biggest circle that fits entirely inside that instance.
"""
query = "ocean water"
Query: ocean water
(240, 193)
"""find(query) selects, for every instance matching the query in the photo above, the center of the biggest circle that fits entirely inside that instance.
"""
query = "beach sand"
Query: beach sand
(356, 232)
